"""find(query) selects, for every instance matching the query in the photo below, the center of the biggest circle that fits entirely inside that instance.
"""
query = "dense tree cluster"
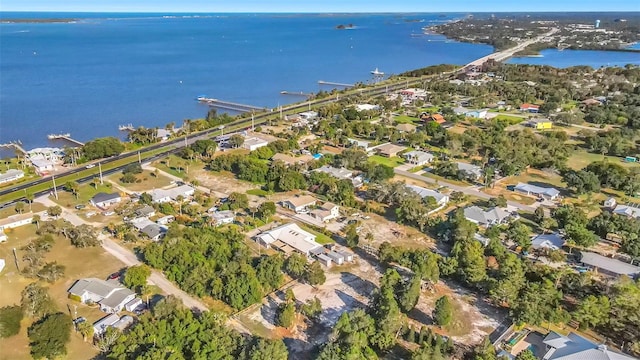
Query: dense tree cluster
(615, 176)
(628, 229)
(102, 147)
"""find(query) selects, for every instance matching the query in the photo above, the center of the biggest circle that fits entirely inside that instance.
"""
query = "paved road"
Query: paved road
(469, 190)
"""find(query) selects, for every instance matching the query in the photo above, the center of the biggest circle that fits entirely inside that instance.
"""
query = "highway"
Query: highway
(174, 145)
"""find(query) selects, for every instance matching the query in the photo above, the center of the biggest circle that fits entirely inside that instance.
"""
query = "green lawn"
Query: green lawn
(404, 119)
(257, 192)
(392, 162)
(440, 178)
(580, 159)
(512, 120)
(178, 166)
(148, 181)
(85, 193)
(320, 237)
(35, 207)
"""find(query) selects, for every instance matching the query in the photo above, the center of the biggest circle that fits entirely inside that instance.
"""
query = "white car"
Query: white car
(90, 166)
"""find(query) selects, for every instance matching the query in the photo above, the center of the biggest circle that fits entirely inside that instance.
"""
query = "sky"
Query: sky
(317, 5)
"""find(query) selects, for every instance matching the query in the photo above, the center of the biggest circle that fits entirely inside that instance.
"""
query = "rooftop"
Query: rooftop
(534, 189)
(15, 218)
(389, 148)
(549, 241)
(292, 235)
(340, 173)
(102, 197)
(609, 264)
(490, 216)
(11, 174)
(302, 200)
(576, 347)
(423, 192)
(627, 210)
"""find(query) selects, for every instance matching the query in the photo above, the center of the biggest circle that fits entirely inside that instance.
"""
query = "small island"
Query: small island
(345, 27)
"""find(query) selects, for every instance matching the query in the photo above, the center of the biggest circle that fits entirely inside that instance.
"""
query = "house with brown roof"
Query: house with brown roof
(529, 108)
(327, 211)
(300, 204)
(389, 150)
(433, 117)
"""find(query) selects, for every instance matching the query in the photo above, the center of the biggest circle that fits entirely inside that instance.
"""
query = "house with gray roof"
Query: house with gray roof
(471, 172)
(100, 326)
(441, 199)
(109, 295)
(628, 211)
(491, 217)
(576, 347)
(11, 175)
(418, 158)
(224, 217)
(172, 194)
(608, 266)
(103, 200)
(548, 241)
(289, 238)
(547, 193)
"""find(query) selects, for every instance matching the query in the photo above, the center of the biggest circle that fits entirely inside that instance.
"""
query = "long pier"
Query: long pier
(322, 82)
(229, 105)
(66, 137)
(16, 145)
(296, 93)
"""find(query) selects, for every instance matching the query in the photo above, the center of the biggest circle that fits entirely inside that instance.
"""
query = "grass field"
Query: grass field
(512, 120)
(85, 193)
(392, 162)
(79, 263)
(404, 119)
(320, 238)
(257, 192)
(178, 166)
(580, 159)
(148, 181)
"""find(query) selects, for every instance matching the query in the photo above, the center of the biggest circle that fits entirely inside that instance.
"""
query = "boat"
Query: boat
(377, 72)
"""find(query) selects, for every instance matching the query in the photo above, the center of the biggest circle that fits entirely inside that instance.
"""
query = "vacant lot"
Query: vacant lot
(79, 263)
(392, 162)
(397, 234)
(146, 181)
(580, 160)
(85, 193)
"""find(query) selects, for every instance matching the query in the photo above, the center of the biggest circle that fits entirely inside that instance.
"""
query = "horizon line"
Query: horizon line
(321, 12)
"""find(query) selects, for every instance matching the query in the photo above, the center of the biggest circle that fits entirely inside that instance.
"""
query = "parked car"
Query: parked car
(114, 276)
(80, 207)
(90, 166)
(79, 320)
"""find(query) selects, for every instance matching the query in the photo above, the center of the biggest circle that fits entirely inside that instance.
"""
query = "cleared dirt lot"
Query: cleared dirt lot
(223, 182)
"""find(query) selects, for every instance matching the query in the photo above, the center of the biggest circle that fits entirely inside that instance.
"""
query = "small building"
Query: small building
(361, 144)
(253, 143)
(324, 260)
(43, 166)
(538, 191)
(477, 114)
(124, 323)
(145, 211)
(163, 134)
(529, 108)
(608, 266)
(576, 347)
(481, 239)
(367, 107)
(165, 220)
(224, 217)
(326, 212)
(627, 210)
(610, 203)
(406, 128)
(172, 194)
(389, 150)
(289, 238)
(154, 231)
(103, 200)
(14, 221)
(300, 204)
(418, 158)
(100, 326)
(440, 198)
(548, 241)
(348, 257)
(471, 172)
(540, 124)
(11, 175)
(491, 217)
(335, 257)
(134, 304)
(437, 118)
(109, 295)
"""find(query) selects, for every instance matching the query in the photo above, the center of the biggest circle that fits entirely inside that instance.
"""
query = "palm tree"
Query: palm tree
(179, 200)
(29, 197)
(36, 219)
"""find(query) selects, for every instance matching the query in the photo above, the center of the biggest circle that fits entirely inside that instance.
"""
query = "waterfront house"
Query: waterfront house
(109, 295)
(103, 200)
(14, 221)
(300, 204)
(289, 238)
(418, 158)
(11, 175)
(538, 191)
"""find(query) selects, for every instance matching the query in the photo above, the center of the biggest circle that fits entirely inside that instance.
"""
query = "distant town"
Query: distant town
(489, 211)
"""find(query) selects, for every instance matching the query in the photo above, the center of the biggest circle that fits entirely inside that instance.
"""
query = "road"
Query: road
(505, 54)
(469, 190)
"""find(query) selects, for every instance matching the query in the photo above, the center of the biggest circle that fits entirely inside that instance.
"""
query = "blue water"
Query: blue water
(568, 58)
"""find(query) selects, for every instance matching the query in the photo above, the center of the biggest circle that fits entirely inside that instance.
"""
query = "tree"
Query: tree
(73, 187)
(84, 236)
(269, 272)
(312, 308)
(295, 265)
(538, 213)
(286, 314)
(54, 211)
(36, 301)
(19, 207)
(410, 293)
(238, 200)
(36, 219)
(136, 276)
(592, 311)
(526, 355)
(29, 197)
(49, 336)
(519, 233)
(351, 235)
(51, 272)
(236, 140)
(314, 274)
(10, 317)
(86, 329)
(443, 312)
(580, 235)
(266, 210)
(268, 349)
(102, 147)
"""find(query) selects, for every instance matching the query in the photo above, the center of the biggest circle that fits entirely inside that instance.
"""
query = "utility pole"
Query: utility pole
(185, 140)
(55, 190)
(100, 171)
(252, 122)
(139, 158)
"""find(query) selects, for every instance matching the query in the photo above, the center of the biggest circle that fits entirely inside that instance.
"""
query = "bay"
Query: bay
(568, 58)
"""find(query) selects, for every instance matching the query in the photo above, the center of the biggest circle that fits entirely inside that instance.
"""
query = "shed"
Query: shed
(324, 260)
(610, 203)
(133, 304)
(348, 257)
(336, 257)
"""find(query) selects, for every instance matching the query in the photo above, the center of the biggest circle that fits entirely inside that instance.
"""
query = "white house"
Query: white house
(109, 295)
(103, 200)
(418, 158)
(224, 217)
(341, 174)
(576, 347)
(327, 211)
(441, 199)
(548, 241)
(493, 216)
(133, 304)
(610, 203)
(299, 204)
(472, 172)
(100, 326)
(11, 175)
(14, 221)
(45, 159)
(152, 230)
(628, 211)
(538, 191)
(168, 195)
(165, 220)
(367, 107)
(289, 238)
(253, 143)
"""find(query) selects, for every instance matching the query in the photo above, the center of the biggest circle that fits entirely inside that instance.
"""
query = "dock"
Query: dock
(17, 145)
(322, 82)
(128, 127)
(66, 137)
(229, 105)
(296, 93)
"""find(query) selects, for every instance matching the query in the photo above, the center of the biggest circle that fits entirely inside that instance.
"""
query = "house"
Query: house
(42, 166)
(540, 124)
(481, 239)
(418, 158)
(308, 115)
(389, 150)
(471, 172)
(406, 128)
(341, 174)
(163, 134)
(478, 114)
(548, 241)
(529, 108)
(224, 217)
(610, 203)
(538, 191)
(327, 211)
(433, 118)
(11, 175)
(165, 220)
(109, 295)
(441, 199)
(347, 255)
(45, 159)
(103, 200)
(291, 160)
(133, 305)
(289, 238)
(145, 211)
(367, 107)
(628, 211)
(253, 143)
(154, 231)
(576, 347)
(100, 326)
(609, 266)
(14, 221)
(460, 110)
(172, 194)
(299, 204)
(362, 144)
(124, 323)
(491, 217)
